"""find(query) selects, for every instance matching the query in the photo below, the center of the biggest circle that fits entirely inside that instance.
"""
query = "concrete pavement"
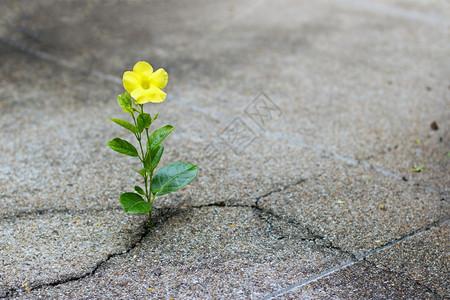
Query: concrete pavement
(304, 117)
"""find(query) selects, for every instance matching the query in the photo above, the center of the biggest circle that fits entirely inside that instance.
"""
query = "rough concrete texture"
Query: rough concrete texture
(356, 210)
(314, 198)
(362, 281)
(38, 247)
(424, 257)
(209, 252)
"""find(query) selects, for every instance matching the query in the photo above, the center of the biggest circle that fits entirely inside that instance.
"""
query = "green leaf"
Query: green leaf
(142, 171)
(173, 177)
(144, 121)
(125, 124)
(133, 203)
(159, 135)
(139, 190)
(123, 147)
(124, 101)
(147, 161)
(157, 152)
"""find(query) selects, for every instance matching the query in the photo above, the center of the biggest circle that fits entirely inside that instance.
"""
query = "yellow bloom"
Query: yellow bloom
(144, 85)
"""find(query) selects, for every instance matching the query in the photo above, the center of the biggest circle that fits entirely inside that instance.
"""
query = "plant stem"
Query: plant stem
(150, 213)
(146, 190)
(147, 183)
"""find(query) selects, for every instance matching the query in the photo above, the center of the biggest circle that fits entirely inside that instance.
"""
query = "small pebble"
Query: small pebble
(434, 126)
(157, 272)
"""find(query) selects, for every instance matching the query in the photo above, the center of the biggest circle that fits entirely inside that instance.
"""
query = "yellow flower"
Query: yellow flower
(144, 85)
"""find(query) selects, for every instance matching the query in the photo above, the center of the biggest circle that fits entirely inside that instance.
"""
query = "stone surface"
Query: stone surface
(66, 163)
(429, 149)
(319, 172)
(207, 252)
(361, 281)
(355, 209)
(424, 257)
(46, 246)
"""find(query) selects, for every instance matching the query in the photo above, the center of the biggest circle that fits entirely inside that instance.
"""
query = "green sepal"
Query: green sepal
(158, 136)
(125, 124)
(144, 121)
(155, 117)
(124, 102)
(139, 190)
(133, 203)
(122, 147)
(173, 177)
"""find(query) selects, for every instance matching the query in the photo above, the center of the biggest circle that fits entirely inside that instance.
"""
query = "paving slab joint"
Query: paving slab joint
(355, 259)
(395, 242)
(392, 243)
(405, 276)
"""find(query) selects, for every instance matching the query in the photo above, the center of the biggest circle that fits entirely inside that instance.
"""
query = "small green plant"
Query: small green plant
(142, 86)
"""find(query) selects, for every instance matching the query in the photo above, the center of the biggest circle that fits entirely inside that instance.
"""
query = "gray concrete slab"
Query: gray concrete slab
(400, 87)
(356, 210)
(425, 258)
(209, 252)
(362, 281)
(44, 247)
(65, 162)
(354, 85)
(427, 149)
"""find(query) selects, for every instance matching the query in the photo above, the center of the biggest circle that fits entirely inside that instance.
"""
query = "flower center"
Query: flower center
(145, 83)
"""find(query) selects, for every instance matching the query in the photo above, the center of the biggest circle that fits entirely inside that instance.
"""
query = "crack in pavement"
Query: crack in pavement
(15, 291)
(317, 239)
(314, 236)
(353, 258)
(165, 214)
(12, 292)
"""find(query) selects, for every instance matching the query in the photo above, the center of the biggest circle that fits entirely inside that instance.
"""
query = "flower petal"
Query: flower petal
(153, 94)
(159, 78)
(143, 68)
(131, 81)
